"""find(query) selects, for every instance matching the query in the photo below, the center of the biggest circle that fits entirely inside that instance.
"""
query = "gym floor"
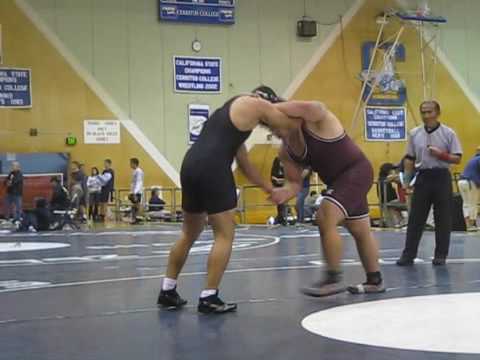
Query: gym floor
(92, 295)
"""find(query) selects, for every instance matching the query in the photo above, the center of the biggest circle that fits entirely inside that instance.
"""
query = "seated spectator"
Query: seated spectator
(94, 188)
(310, 205)
(156, 203)
(390, 200)
(59, 199)
(38, 219)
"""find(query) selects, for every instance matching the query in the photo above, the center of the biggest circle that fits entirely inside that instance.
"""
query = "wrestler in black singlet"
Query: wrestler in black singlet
(206, 176)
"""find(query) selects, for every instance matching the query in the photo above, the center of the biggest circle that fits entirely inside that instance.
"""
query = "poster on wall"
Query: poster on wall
(385, 123)
(217, 12)
(15, 88)
(197, 116)
(197, 75)
(101, 131)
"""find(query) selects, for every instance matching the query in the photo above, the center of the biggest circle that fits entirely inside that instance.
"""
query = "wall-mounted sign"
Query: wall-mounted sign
(15, 88)
(101, 131)
(198, 11)
(197, 74)
(385, 123)
(71, 140)
(197, 116)
(391, 90)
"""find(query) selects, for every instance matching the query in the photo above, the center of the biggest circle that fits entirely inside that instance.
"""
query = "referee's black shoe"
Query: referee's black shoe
(439, 261)
(214, 305)
(405, 261)
(170, 300)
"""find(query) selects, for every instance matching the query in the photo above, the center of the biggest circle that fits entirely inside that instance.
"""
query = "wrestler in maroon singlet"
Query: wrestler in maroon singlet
(343, 167)
(321, 143)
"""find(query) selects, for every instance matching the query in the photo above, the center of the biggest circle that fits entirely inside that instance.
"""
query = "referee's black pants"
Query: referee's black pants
(432, 187)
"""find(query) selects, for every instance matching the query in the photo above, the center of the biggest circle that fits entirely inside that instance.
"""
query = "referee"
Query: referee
(431, 149)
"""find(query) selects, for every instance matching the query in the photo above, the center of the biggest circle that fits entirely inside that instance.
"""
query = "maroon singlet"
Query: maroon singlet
(343, 167)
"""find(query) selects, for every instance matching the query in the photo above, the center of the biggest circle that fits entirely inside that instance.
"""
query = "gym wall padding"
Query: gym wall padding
(61, 102)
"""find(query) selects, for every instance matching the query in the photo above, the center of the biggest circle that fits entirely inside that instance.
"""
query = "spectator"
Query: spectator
(94, 187)
(156, 206)
(390, 201)
(38, 219)
(108, 187)
(14, 183)
(136, 189)
(156, 203)
(431, 149)
(77, 190)
(468, 185)
(310, 206)
(300, 205)
(59, 199)
(277, 175)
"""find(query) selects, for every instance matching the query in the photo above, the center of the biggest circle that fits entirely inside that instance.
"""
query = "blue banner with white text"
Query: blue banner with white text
(198, 11)
(197, 117)
(198, 75)
(385, 123)
(15, 88)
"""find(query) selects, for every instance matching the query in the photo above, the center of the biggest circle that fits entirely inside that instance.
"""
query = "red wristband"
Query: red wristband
(444, 156)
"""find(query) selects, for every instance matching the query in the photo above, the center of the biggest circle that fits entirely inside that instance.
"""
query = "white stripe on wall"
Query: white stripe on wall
(98, 89)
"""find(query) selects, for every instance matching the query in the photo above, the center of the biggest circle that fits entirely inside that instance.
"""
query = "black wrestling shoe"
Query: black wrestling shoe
(405, 261)
(214, 305)
(439, 262)
(170, 300)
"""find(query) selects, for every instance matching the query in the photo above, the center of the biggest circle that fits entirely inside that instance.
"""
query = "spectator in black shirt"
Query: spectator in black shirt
(14, 183)
(38, 219)
(108, 187)
(156, 203)
(60, 199)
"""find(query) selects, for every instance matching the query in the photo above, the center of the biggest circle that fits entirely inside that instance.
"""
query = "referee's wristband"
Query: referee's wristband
(445, 156)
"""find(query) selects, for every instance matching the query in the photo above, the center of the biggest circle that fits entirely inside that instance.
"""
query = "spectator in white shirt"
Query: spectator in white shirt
(94, 187)
(136, 188)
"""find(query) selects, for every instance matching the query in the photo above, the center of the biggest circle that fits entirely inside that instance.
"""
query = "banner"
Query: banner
(101, 131)
(198, 11)
(197, 75)
(385, 123)
(197, 116)
(15, 88)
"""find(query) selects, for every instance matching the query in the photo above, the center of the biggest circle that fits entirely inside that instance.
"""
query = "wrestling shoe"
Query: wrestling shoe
(214, 305)
(170, 300)
(439, 262)
(405, 261)
(366, 288)
(332, 284)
